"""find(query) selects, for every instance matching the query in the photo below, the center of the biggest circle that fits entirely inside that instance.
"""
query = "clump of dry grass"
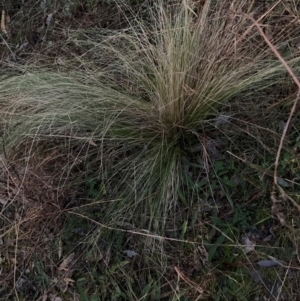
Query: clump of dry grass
(130, 120)
(147, 105)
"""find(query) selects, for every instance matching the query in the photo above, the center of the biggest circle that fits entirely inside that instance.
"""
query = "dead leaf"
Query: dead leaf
(48, 19)
(268, 238)
(43, 4)
(59, 248)
(65, 284)
(3, 202)
(276, 210)
(14, 261)
(130, 253)
(107, 256)
(91, 142)
(268, 263)
(203, 254)
(3, 29)
(221, 120)
(283, 183)
(68, 280)
(21, 284)
(23, 45)
(66, 262)
(248, 244)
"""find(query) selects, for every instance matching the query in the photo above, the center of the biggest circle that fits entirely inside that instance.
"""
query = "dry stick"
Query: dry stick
(191, 283)
(134, 231)
(287, 67)
(260, 18)
(293, 109)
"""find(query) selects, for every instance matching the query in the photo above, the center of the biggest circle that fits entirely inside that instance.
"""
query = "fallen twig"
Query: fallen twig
(292, 112)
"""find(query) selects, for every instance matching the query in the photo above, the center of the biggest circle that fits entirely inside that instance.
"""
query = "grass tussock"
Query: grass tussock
(166, 81)
(136, 127)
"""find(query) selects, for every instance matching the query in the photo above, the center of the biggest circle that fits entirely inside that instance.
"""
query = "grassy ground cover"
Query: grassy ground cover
(149, 150)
